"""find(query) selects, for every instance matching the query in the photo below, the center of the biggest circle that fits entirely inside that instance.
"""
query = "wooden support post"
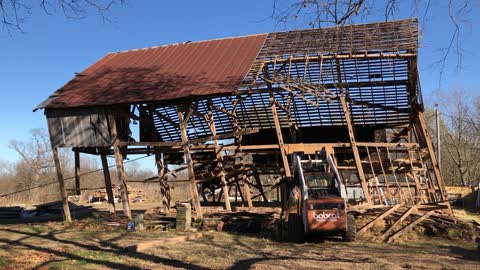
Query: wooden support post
(375, 178)
(286, 165)
(77, 172)
(226, 195)
(246, 190)
(121, 176)
(392, 168)
(183, 123)
(220, 194)
(61, 185)
(431, 152)
(351, 135)
(162, 170)
(239, 190)
(278, 129)
(260, 186)
(385, 178)
(218, 156)
(236, 192)
(291, 125)
(419, 194)
(108, 181)
(356, 154)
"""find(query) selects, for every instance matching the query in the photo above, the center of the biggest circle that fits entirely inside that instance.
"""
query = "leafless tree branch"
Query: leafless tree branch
(14, 12)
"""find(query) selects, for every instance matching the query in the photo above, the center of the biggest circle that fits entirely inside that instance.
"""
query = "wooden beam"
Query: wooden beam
(260, 186)
(225, 135)
(188, 158)
(278, 129)
(410, 226)
(400, 220)
(61, 185)
(238, 189)
(385, 178)
(356, 154)
(311, 148)
(351, 134)
(222, 109)
(77, 171)
(375, 179)
(286, 165)
(379, 106)
(382, 216)
(218, 156)
(108, 181)
(165, 118)
(153, 144)
(193, 141)
(431, 152)
(246, 190)
(279, 60)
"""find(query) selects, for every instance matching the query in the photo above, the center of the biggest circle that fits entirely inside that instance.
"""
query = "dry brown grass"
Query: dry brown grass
(90, 244)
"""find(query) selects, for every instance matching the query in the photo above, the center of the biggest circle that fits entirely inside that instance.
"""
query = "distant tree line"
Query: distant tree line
(459, 136)
(32, 178)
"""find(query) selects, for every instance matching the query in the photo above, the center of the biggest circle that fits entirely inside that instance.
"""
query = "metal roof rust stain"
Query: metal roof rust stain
(161, 73)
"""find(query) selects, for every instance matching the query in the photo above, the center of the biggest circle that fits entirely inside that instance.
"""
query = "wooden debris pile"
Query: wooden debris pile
(100, 195)
(242, 222)
(401, 222)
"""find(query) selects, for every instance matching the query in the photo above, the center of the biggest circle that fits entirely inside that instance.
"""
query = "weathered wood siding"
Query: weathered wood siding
(79, 128)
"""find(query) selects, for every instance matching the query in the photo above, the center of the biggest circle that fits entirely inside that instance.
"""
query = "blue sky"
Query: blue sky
(39, 61)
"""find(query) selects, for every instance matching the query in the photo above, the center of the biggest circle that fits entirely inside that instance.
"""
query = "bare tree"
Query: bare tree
(13, 13)
(461, 139)
(322, 13)
(5, 167)
(36, 162)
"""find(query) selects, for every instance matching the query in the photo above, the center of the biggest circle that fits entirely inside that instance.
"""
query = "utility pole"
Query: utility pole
(438, 135)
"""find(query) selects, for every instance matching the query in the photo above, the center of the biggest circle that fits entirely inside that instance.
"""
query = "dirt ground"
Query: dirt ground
(91, 244)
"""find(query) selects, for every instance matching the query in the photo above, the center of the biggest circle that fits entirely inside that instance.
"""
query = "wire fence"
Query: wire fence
(52, 182)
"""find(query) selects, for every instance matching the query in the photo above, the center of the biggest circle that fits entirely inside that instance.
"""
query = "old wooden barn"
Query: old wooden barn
(232, 111)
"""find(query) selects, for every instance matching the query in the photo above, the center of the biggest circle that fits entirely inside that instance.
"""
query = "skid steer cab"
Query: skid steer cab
(317, 201)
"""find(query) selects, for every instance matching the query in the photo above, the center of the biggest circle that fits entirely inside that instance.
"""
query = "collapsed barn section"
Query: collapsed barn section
(232, 112)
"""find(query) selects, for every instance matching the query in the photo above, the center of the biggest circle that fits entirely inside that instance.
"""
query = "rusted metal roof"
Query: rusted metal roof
(220, 67)
(161, 73)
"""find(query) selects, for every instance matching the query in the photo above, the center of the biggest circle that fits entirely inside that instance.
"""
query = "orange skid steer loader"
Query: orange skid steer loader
(317, 201)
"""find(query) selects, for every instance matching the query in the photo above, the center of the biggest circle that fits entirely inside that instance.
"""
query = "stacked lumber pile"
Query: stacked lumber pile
(392, 223)
(10, 212)
(46, 211)
(56, 209)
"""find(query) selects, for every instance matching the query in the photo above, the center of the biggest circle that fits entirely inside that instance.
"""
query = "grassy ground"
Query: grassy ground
(467, 215)
(90, 244)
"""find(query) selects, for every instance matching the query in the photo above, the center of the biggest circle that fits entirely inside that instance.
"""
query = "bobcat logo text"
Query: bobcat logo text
(326, 216)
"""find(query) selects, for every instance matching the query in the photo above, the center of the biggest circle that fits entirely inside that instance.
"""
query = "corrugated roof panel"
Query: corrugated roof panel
(162, 73)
